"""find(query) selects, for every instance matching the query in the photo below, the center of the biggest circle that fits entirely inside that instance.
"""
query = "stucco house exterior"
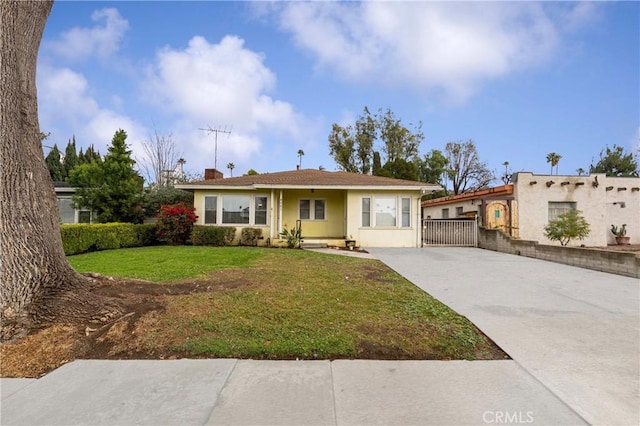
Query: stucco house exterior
(330, 207)
(524, 207)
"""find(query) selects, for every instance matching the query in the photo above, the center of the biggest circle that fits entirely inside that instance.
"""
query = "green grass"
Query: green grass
(291, 304)
(163, 264)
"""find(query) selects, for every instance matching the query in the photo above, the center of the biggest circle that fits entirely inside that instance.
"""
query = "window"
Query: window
(406, 212)
(558, 208)
(67, 212)
(210, 210)
(366, 212)
(235, 209)
(458, 211)
(386, 211)
(445, 213)
(84, 216)
(261, 210)
(312, 209)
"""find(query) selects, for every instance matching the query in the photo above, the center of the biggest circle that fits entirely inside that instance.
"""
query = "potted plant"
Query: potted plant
(620, 233)
(350, 243)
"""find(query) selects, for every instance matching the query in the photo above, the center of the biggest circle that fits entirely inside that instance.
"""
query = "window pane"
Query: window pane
(319, 209)
(261, 211)
(84, 216)
(67, 212)
(406, 212)
(445, 213)
(385, 211)
(366, 212)
(210, 210)
(235, 209)
(558, 208)
(305, 209)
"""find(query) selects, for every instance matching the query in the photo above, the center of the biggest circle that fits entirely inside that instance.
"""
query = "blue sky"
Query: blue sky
(520, 79)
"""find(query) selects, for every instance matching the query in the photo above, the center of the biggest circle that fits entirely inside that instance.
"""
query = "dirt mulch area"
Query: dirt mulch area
(50, 347)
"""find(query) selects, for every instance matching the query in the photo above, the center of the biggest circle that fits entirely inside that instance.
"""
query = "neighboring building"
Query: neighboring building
(523, 208)
(330, 206)
(68, 214)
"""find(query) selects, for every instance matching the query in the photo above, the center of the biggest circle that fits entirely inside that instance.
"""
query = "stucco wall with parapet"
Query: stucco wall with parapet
(603, 201)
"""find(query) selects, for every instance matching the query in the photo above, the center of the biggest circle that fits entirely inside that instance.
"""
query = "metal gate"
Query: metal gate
(450, 232)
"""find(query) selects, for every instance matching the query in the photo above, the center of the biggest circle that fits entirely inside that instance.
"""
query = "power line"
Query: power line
(216, 131)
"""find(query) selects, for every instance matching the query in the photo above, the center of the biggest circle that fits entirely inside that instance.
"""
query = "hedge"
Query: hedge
(212, 235)
(82, 238)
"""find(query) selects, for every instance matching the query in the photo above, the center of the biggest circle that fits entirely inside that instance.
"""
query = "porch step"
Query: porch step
(313, 245)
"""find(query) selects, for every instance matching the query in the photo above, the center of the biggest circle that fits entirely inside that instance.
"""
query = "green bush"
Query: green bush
(250, 236)
(82, 238)
(146, 235)
(212, 235)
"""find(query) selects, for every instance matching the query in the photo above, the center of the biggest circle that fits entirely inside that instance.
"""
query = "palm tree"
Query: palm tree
(300, 154)
(231, 166)
(580, 171)
(554, 159)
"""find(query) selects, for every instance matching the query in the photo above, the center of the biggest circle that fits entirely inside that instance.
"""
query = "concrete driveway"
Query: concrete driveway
(575, 330)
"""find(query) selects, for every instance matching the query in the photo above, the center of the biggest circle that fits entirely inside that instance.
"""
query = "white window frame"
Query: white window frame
(556, 208)
(399, 213)
(312, 209)
(252, 209)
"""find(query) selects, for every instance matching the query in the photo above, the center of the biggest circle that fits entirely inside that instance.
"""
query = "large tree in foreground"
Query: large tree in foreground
(36, 281)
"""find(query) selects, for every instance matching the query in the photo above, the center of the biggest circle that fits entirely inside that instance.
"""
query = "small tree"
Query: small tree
(568, 226)
(175, 223)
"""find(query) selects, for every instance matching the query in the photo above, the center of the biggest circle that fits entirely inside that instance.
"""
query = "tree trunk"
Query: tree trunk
(33, 267)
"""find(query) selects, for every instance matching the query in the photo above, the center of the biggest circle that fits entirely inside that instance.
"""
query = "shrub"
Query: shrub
(175, 223)
(250, 236)
(155, 198)
(146, 234)
(212, 235)
(82, 238)
(566, 227)
(292, 236)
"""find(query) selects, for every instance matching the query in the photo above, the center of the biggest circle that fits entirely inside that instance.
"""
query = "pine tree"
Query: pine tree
(70, 158)
(54, 164)
(112, 188)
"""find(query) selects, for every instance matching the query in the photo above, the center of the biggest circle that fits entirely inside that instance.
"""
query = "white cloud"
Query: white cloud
(65, 102)
(101, 40)
(220, 85)
(453, 47)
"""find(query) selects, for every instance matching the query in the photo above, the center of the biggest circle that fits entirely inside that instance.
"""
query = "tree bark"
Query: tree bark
(33, 267)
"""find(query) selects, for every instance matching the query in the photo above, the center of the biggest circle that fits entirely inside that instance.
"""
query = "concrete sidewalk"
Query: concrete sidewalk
(244, 392)
(575, 330)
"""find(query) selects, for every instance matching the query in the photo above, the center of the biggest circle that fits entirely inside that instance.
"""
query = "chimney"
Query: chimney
(212, 174)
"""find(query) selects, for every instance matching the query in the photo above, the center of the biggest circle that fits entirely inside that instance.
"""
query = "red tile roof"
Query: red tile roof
(307, 178)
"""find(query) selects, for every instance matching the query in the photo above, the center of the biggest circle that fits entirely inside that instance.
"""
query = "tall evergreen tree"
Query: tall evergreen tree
(54, 164)
(112, 189)
(70, 158)
(616, 162)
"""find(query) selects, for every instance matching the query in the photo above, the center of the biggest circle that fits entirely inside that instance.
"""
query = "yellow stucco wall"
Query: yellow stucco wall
(383, 236)
(343, 215)
(332, 226)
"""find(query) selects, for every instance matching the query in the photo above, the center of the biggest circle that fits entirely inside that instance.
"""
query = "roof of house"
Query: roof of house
(309, 178)
(497, 191)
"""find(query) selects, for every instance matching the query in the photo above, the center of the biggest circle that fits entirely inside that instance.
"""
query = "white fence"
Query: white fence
(450, 232)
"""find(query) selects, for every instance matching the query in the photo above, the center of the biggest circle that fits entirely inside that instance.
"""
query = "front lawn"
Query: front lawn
(256, 303)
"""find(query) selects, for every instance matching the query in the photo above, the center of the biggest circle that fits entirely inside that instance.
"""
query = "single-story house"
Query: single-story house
(69, 214)
(330, 207)
(524, 207)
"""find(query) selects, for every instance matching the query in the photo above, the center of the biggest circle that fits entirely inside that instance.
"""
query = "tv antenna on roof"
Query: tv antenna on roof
(216, 131)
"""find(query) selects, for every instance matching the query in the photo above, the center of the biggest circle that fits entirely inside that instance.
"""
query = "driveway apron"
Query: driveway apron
(575, 330)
